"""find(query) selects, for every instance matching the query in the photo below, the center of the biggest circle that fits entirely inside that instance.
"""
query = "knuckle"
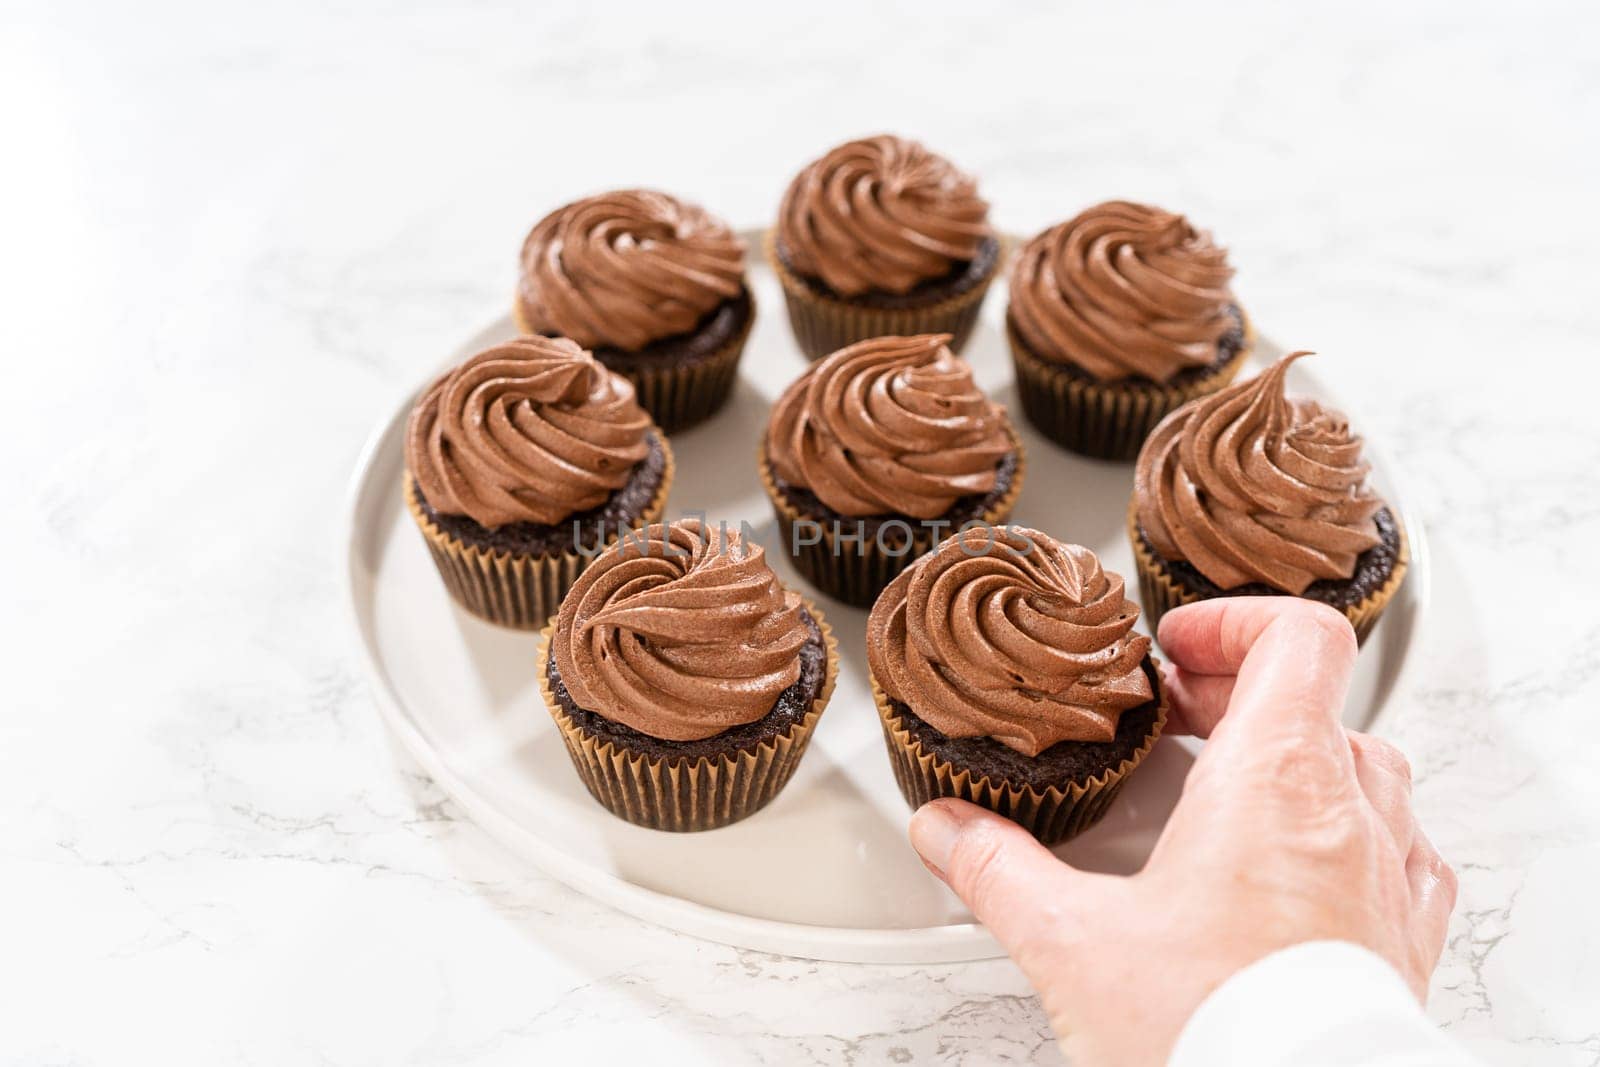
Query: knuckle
(1397, 762)
(1433, 865)
(1308, 770)
(1446, 874)
(1381, 754)
(1330, 623)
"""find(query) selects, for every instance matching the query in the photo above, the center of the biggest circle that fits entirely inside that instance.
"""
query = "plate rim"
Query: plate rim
(950, 943)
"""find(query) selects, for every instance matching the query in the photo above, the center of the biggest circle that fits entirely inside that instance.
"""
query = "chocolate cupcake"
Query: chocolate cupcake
(685, 680)
(879, 451)
(1116, 318)
(1249, 492)
(521, 464)
(654, 286)
(882, 237)
(1006, 672)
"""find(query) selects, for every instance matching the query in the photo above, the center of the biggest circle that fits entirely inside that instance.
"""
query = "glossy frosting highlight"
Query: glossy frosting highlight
(892, 425)
(680, 631)
(1123, 290)
(881, 214)
(1250, 485)
(534, 430)
(1009, 634)
(627, 268)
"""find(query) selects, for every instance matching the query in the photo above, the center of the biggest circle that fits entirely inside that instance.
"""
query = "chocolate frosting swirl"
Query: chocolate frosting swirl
(627, 268)
(1249, 485)
(533, 430)
(1123, 291)
(680, 631)
(1010, 634)
(891, 425)
(880, 215)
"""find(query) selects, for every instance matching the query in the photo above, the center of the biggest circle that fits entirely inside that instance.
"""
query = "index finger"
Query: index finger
(1289, 661)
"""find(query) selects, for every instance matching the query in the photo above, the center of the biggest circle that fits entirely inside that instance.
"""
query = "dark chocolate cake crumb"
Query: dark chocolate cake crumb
(963, 510)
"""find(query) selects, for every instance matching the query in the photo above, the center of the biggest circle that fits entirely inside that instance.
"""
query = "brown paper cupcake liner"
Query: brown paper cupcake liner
(511, 589)
(682, 795)
(682, 393)
(1052, 815)
(1105, 420)
(855, 570)
(1160, 593)
(822, 325)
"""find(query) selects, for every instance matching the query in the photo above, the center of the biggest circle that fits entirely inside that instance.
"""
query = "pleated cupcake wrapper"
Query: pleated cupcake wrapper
(681, 393)
(822, 325)
(1105, 420)
(1052, 815)
(683, 795)
(856, 569)
(512, 589)
(1160, 592)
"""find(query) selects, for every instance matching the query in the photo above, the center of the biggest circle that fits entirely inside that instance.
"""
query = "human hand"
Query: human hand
(1290, 829)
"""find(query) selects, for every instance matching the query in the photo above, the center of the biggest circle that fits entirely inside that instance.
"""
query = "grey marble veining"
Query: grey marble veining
(235, 235)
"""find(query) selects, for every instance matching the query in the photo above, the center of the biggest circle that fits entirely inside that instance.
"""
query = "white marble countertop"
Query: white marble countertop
(233, 237)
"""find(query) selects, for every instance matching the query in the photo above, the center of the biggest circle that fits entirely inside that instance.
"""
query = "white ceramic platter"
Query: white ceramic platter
(825, 870)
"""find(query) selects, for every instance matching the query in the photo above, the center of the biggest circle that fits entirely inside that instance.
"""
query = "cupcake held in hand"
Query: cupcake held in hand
(655, 286)
(879, 451)
(1252, 492)
(1006, 672)
(521, 463)
(879, 237)
(685, 680)
(1116, 317)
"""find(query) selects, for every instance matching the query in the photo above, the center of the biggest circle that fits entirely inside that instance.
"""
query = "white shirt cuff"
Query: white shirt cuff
(1319, 1004)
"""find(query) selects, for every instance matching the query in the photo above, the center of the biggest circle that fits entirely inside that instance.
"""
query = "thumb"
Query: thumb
(1032, 903)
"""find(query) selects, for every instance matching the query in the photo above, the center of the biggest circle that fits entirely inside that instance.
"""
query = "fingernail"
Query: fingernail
(933, 834)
